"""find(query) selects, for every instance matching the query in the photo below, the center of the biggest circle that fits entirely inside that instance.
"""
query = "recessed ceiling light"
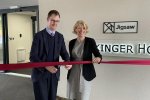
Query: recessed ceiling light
(14, 7)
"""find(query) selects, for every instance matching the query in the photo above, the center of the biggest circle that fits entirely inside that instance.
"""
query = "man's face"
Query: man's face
(52, 22)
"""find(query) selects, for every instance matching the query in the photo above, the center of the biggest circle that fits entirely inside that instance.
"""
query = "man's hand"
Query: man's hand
(96, 60)
(51, 69)
(68, 67)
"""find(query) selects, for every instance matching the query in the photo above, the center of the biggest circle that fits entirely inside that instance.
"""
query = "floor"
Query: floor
(15, 88)
(17, 85)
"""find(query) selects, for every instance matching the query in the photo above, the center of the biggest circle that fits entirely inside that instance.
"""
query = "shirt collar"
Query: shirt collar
(49, 31)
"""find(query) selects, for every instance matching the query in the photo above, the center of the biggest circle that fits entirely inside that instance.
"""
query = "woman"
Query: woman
(80, 76)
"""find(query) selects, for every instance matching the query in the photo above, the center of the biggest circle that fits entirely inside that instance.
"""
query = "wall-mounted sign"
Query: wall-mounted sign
(137, 49)
(120, 27)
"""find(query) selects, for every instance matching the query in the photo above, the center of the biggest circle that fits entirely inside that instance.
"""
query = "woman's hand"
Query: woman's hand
(68, 67)
(96, 60)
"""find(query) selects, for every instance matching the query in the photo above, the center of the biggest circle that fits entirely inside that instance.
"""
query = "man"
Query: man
(47, 45)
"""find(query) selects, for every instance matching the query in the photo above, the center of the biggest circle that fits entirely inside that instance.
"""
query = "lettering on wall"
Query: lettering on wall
(139, 49)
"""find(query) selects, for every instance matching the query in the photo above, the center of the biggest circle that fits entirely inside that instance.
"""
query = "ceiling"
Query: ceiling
(5, 4)
(25, 13)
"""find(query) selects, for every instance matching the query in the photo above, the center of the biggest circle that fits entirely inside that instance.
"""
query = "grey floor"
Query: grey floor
(15, 88)
(22, 71)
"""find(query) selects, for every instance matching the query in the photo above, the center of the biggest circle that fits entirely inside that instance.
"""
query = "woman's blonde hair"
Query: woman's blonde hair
(77, 24)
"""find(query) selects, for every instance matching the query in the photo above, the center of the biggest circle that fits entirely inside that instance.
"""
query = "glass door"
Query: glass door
(1, 42)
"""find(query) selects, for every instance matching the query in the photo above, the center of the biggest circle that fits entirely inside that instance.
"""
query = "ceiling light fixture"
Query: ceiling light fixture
(14, 7)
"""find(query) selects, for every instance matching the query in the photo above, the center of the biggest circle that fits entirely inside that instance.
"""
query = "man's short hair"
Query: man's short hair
(53, 12)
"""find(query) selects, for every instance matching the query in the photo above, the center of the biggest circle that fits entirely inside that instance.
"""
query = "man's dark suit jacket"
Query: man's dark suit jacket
(39, 52)
(89, 48)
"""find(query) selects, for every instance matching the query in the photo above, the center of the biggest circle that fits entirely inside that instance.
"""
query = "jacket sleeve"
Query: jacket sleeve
(63, 53)
(95, 50)
(34, 52)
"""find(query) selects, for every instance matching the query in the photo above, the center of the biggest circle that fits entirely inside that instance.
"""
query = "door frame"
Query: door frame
(3, 14)
(33, 24)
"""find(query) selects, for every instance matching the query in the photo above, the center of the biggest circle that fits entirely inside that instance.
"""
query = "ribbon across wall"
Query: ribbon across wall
(43, 64)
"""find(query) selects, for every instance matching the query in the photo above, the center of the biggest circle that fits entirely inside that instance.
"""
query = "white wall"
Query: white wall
(113, 82)
(19, 24)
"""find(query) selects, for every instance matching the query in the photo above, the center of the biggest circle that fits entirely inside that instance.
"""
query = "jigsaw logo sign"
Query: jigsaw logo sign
(120, 27)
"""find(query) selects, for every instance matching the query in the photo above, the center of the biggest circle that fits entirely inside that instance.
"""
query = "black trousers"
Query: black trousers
(46, 87)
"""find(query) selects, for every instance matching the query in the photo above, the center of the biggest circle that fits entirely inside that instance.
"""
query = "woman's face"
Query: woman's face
(80, 30)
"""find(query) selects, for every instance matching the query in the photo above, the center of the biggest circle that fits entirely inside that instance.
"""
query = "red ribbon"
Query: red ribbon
(43, 64)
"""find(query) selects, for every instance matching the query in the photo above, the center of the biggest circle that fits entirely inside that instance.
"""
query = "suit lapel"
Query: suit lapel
(45, 40)
(72, 45)
(85, 47)
(55, 46)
